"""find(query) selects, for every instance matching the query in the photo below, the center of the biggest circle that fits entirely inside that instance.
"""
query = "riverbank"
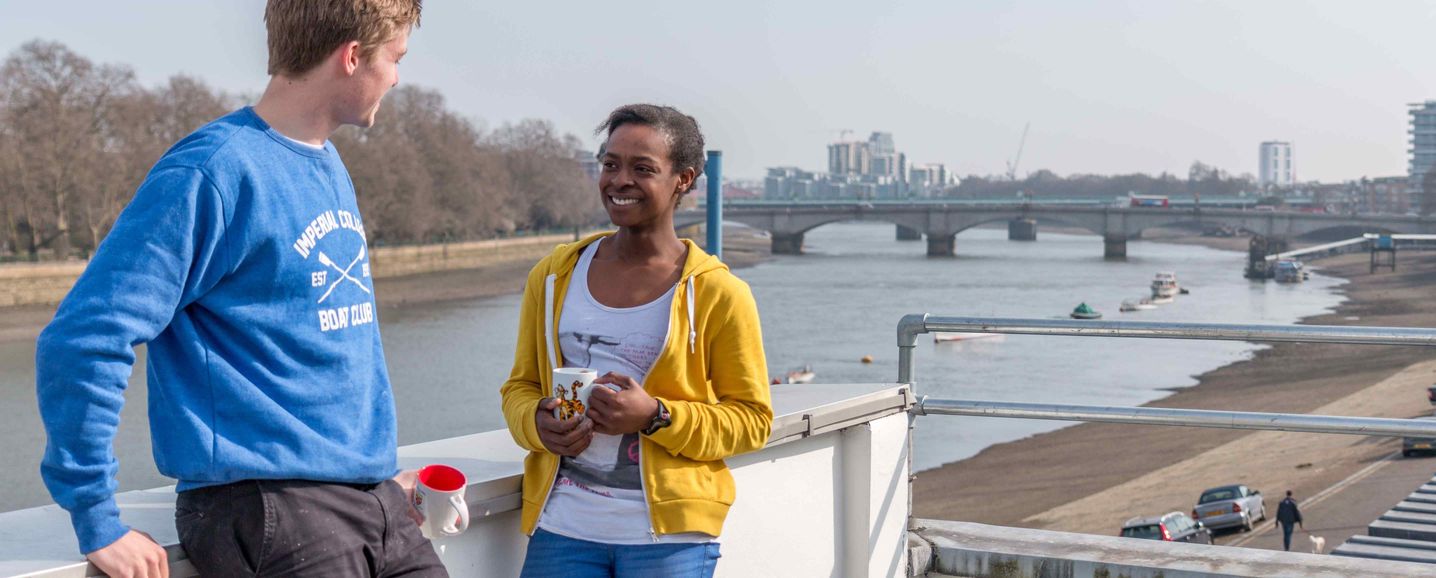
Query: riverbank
(502, 275)
(1091, 477)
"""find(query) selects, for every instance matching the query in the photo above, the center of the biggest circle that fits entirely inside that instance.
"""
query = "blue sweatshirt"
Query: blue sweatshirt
(242, 263)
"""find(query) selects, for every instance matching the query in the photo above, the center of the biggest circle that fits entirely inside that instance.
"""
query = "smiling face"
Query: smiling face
(372, 77)
(638, 182)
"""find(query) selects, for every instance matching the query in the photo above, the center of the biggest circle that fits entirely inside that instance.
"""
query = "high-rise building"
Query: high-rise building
(1276, 165)
(849, 158)
(929, 178)
(881, 143)
(1423, 146)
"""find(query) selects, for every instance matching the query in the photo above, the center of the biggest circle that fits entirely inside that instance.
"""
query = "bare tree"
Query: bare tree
(546, 174)
(77, 139)
(57, 103)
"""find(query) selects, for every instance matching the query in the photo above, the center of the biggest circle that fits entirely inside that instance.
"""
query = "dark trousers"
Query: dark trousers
(299, 528)
(1286, 535)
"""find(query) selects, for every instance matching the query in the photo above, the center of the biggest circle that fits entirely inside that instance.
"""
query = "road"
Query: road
(1342, 509)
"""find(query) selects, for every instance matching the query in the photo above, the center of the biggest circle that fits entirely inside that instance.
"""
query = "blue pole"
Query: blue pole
(714, 169)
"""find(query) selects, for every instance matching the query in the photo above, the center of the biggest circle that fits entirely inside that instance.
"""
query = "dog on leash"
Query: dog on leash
(1318, 544)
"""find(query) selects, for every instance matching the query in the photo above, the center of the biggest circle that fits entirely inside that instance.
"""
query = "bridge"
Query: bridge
(940, 222)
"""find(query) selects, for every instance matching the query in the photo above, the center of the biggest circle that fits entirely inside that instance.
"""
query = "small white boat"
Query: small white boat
(1137, 304)
(1165, 285)
(802, 375)
(1161, 300)
(942, 336)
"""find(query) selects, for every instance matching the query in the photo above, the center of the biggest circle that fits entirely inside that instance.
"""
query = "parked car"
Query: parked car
(1431, 394)
(1411, 445)
(1171, 527)
(1230, 507)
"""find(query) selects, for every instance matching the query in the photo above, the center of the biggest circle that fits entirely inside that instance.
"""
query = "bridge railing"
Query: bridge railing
(913, 325)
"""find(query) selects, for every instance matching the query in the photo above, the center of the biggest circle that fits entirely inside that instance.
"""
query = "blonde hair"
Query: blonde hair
(302, 33)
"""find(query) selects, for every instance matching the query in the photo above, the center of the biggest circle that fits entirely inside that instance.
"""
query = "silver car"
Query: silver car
(1230, 507)
(1412, 445)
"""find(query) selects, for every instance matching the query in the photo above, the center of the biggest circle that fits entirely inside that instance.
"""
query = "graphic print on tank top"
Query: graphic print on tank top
(598, 494)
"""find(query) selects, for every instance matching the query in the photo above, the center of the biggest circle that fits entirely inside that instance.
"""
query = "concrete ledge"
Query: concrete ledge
(1392, 553)
(1422, 498)
(1410, 518)
(1397, 542)
(983, 551)
(1415, 507)
(1403, 530)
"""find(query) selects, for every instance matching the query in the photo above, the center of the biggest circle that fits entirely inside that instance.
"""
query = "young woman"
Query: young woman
(636, 486)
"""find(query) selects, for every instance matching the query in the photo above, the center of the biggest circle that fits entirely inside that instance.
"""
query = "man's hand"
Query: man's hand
(407, 480)
(628, 410)
(565, 437)
(134, 555)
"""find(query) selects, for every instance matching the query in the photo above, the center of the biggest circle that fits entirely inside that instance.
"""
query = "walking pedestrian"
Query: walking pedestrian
(1288, 515)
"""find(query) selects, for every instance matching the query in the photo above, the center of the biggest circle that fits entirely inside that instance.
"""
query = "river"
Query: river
(828, 309)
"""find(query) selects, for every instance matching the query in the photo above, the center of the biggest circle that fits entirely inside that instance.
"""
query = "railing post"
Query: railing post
(907, 331)
(714, 169)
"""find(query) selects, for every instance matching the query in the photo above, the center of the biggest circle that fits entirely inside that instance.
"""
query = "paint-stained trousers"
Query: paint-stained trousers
(305, 529)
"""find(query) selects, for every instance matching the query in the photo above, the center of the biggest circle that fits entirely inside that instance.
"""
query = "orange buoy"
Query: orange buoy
(867, 359)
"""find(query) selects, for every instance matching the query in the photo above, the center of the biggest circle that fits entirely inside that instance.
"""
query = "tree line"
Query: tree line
(78, 137)
(1201, 179)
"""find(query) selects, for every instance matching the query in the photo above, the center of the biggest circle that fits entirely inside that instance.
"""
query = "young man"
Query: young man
(242, 263)
(1288, 516)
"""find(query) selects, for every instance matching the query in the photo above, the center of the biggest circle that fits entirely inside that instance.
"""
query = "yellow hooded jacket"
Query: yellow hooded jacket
(711, 375)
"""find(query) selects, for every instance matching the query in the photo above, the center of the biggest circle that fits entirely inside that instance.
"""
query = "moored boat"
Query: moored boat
(801, 375)
(1165, 285)
(1084, 311)
(1137, 304)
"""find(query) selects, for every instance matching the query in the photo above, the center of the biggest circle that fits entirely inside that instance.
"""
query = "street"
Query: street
(1343, 509)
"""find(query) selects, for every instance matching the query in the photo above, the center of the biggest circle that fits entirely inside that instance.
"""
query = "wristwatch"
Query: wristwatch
(660, 421)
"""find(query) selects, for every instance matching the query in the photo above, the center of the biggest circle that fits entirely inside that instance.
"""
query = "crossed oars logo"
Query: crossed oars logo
(343, 273)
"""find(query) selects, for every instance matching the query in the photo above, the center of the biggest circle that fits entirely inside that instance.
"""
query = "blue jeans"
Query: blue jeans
(552, 555)
(1285, 536)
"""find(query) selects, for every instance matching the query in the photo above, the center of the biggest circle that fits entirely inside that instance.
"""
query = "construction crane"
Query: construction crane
(1012, 166)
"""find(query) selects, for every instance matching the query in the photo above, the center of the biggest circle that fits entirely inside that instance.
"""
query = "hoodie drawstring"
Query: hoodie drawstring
(548, 320)
(692, 330)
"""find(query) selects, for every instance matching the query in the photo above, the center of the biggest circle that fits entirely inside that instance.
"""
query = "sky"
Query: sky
(1107, 86)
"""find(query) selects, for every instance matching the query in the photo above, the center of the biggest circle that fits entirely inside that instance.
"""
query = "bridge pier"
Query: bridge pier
(908, 234)
(1022, 229)
(1114, 247)
(942, 245)
(787, 243)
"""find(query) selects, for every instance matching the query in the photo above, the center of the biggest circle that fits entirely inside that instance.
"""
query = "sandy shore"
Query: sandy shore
(1091, 477)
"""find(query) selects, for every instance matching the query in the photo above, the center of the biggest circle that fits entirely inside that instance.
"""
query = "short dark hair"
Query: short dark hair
(685, 139)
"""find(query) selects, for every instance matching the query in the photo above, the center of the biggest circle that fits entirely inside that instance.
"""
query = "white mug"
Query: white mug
(571, 387)
(439, 498)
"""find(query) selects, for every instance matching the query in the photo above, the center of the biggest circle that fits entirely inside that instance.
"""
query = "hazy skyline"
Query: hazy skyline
(1108, 87)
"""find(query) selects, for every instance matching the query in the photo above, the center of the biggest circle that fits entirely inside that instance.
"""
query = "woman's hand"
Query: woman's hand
(565, 437)
(628, 410)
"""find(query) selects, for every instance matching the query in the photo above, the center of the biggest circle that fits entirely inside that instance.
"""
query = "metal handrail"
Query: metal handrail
(913, 325)
(1368, 426)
